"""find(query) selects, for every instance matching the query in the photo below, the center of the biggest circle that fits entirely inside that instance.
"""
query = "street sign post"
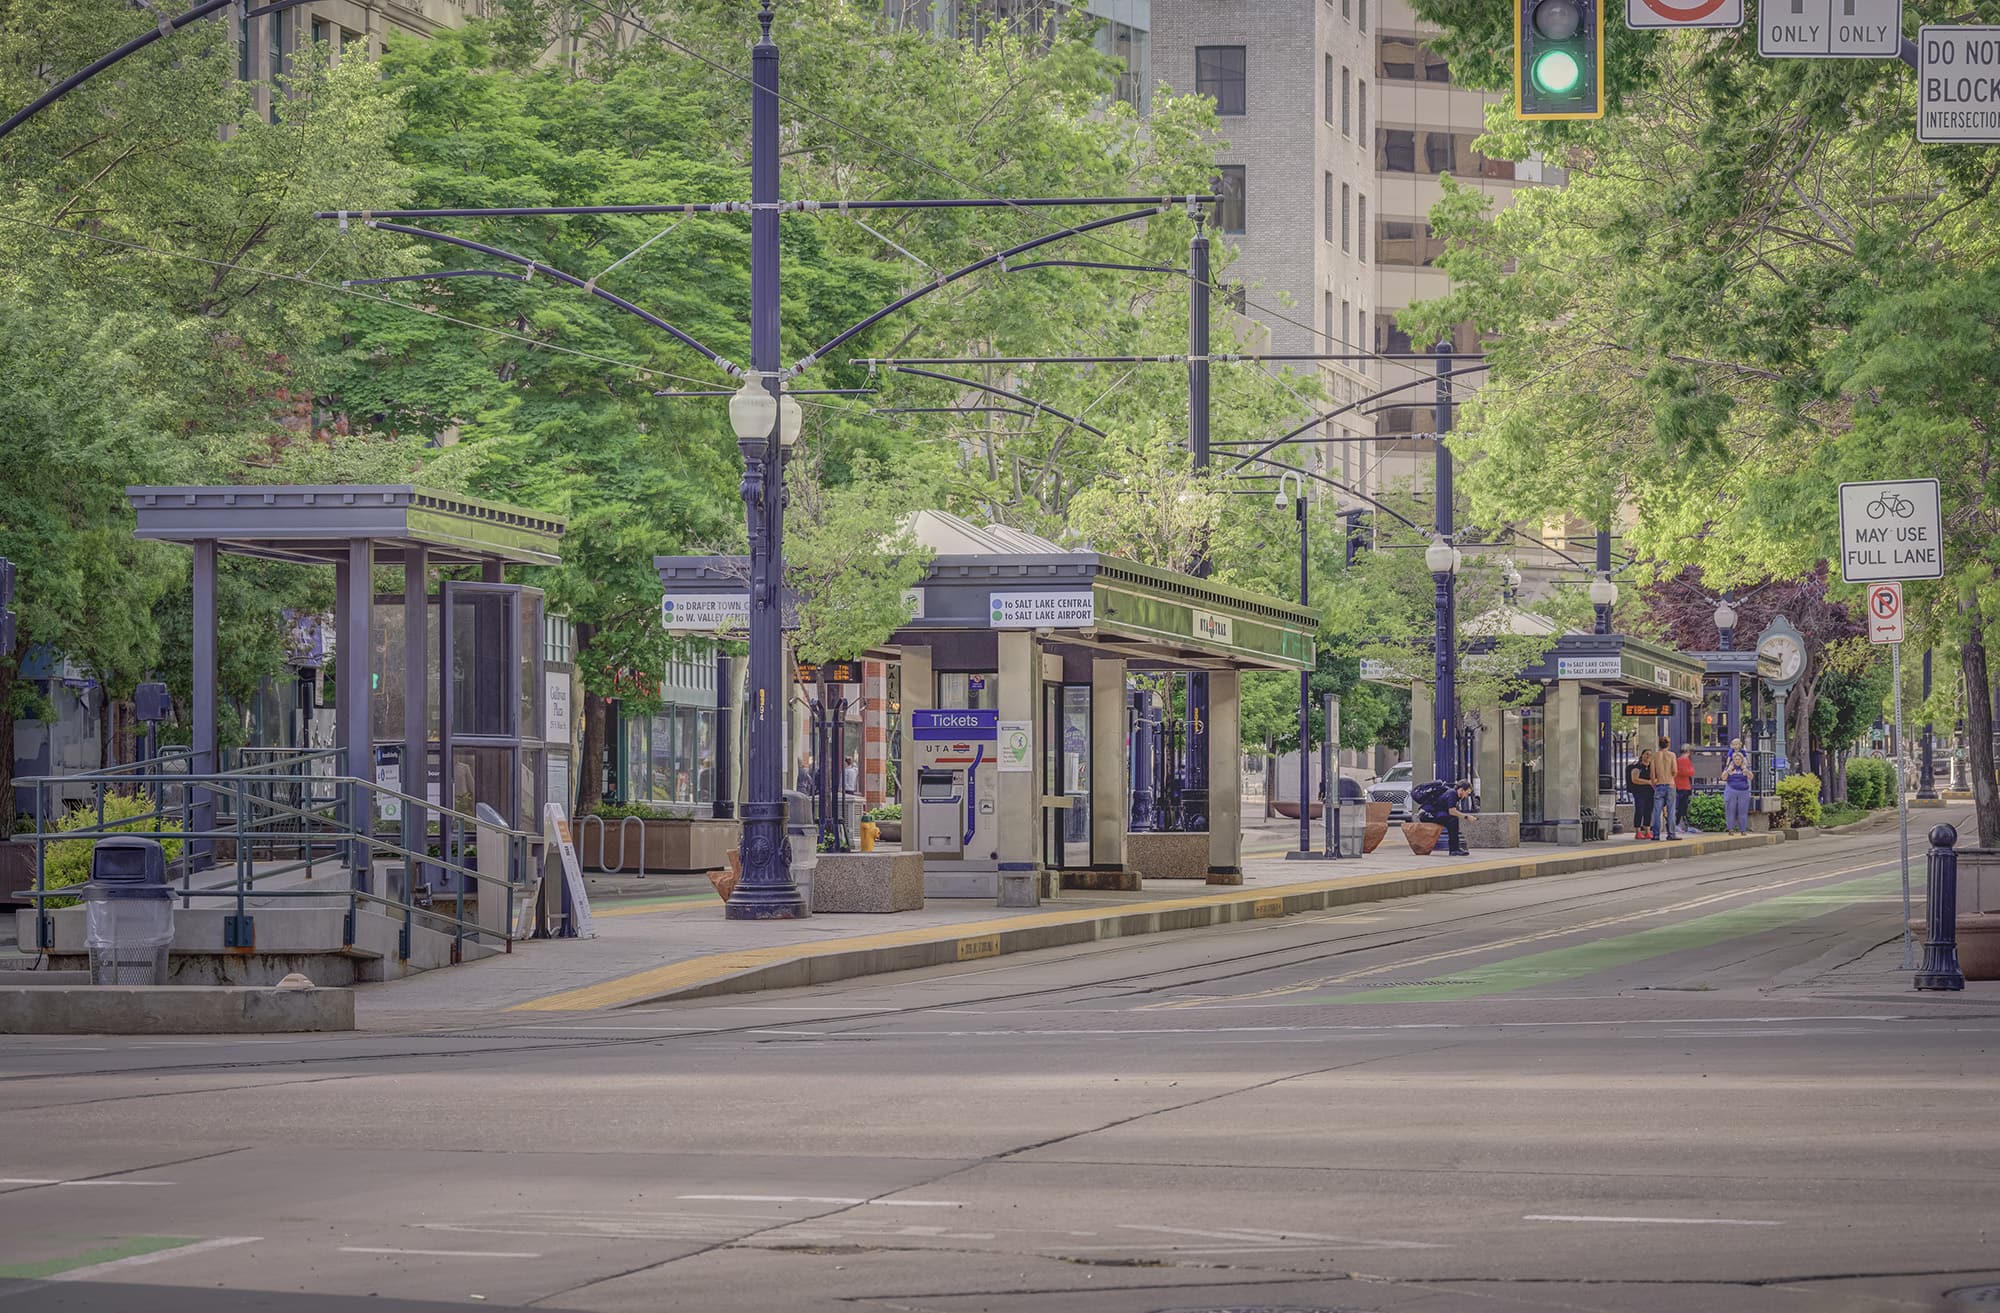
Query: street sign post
(1885, 614)
(1652, 15)
(1958, 84)
(1830, 29)
(1891, 531)
(1896, 773)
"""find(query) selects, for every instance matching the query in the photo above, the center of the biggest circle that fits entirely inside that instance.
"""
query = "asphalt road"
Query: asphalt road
(1687, 1086)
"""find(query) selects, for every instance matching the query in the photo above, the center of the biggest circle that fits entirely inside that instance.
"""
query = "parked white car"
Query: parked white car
(1393, 787)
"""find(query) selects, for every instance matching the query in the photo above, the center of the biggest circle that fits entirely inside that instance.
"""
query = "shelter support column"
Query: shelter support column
(1225, 778)
(416, 697)
(1567, 761)
(1019, 793)
(1490, 765)
(919, 694)
(1422, 751)
(357, 728)
(204, 697)
(1110, 790)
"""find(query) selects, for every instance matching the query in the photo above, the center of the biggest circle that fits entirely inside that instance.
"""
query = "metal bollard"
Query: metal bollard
(1940, 966)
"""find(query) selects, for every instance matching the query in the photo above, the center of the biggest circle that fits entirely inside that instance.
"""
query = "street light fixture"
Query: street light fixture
(1725, 629)
(1603, 596)
(1442, 557)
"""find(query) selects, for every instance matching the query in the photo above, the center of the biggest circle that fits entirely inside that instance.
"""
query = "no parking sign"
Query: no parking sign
(1885, 613)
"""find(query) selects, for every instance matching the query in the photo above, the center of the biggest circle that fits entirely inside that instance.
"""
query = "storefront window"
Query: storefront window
(969, 692)
(670, 757)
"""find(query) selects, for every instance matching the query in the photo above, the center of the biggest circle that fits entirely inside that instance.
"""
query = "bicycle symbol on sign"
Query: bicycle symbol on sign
(1890, 503)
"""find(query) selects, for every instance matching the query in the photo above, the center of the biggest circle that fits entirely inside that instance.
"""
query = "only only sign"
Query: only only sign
(1891, 531)
(1653, 14)
(1885, 613)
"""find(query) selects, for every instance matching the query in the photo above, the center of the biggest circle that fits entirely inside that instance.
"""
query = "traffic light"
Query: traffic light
(6, 607)
(1558, 59)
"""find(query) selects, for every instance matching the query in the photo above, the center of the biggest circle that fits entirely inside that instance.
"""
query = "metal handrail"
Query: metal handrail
(242, 807)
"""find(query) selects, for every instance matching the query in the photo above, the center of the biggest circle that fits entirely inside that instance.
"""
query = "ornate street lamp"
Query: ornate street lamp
(1603, 596)
(1725, 629)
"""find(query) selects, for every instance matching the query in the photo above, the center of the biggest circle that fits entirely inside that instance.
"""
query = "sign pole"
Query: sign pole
(1902, 804)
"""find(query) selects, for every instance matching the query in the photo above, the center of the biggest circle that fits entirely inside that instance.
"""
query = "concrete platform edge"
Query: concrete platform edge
(1061, 929)
(172, 1010)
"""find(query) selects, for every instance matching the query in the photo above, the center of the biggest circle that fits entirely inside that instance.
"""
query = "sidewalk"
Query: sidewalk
(671, 941)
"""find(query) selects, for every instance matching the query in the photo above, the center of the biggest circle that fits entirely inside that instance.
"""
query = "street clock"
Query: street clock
(1787, 653)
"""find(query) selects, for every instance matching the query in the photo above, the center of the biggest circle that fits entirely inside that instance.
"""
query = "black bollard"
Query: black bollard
(1940, 965)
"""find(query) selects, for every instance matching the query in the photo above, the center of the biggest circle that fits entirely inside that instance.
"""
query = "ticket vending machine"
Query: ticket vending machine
(957, 769)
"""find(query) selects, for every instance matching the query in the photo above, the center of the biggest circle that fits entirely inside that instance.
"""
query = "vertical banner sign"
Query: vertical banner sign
(1890, 531)
(558, 825)
(1958, 84)
(1885, 613)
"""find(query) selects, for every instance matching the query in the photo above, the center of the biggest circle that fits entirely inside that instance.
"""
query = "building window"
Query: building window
(1236, 297)
(1346, 102)
(1406, 242)
(276, 24)
(1395, 150)
(1361, 337)
(1219, 73)
(1361, 121)
(1346, 315)
(1328, 321)
(319, 31)
(1364, 14)
(1328, 96)
(1326, 206)
(1361, 222)
(1347, 8)
(1440, 153)
(1346, 218)
(1407, 59)
(1395, 342)
(558, 640)
(1235, 199)
(242, 50)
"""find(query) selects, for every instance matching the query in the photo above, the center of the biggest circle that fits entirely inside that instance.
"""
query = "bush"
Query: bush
(1705, 811)
(1870, 782)
(67, 864)
(888, 811)
(1798, 800)
(618, 811)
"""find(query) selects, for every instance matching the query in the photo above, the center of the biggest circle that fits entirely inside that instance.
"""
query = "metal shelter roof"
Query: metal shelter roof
(315, 524)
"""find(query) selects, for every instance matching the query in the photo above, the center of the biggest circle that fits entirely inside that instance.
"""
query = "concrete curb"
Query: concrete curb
(172, 1010)
(789, 967)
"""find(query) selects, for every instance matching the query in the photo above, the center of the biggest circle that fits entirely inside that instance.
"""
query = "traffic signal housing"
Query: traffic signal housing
(1558, 59)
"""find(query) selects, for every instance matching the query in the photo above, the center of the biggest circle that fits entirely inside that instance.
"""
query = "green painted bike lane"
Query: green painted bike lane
(108, 1252)
(1561, 964)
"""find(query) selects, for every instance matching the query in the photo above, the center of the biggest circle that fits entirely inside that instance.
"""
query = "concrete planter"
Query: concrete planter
(868, 882)
(1492, 830)
(1160, 855)
(1978, 922)
(666, 844)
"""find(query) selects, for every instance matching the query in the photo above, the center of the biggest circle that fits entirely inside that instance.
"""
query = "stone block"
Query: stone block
(1978, 876)
(868, 882)
(1019, 889)
(1492, 830)
(171, 1010)
(1114, 880)
(1160, 855)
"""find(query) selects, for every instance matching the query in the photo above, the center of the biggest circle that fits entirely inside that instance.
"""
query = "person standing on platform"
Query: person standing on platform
(1639, 779)
(1683, 789)
(1666, 770)
(1736, 791)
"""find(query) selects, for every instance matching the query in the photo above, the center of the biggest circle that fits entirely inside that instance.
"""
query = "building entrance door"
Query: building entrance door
(1066, 776)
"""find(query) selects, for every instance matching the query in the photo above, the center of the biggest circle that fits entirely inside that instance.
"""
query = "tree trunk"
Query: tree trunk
(104, 753)
(1979, 729)
(590, 769)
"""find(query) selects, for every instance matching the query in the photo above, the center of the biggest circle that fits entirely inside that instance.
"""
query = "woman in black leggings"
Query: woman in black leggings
(1639, 778)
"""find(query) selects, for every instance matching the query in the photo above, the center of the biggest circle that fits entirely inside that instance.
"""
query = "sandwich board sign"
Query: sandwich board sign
(1891, 531)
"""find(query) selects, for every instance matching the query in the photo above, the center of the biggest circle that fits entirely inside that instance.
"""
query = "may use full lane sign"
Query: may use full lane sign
(1891, 531)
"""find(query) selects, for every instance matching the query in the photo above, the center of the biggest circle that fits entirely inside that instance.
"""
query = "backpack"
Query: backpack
(1430, 795)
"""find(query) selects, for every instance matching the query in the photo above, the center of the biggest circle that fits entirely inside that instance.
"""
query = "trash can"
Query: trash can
(128, 912)
(1353, 824)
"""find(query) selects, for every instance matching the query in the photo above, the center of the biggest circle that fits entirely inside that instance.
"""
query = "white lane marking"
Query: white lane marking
(96, 1270)
(1280, 1237)
(1650, 1221)
(823, 1199)
(439, 1253)
(56, 1180)
(567, 1025)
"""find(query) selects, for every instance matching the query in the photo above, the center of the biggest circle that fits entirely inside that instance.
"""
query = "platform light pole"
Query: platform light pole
(766, 425)
(1443, 560)
(1725, 633)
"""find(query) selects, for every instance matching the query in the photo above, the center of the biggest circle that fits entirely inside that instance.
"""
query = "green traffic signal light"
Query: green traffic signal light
(1558, 59)
(1557, 72)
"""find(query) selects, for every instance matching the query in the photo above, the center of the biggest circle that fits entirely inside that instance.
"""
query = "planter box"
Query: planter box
(1978, 922)
(1290, 809)
(868, 882)
(1164, 855)
(655, 846)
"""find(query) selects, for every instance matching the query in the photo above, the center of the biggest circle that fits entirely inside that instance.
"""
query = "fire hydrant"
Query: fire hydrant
(870, 832)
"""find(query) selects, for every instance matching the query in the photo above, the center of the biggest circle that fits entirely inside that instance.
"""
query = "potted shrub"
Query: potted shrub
(888, 818)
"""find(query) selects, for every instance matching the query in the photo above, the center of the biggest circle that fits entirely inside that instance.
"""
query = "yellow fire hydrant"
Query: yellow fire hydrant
(870, 832)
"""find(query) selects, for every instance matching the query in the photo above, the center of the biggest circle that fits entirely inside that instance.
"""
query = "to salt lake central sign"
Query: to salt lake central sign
(1891, 531)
